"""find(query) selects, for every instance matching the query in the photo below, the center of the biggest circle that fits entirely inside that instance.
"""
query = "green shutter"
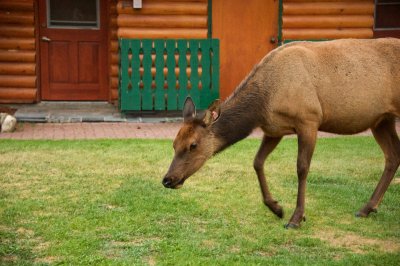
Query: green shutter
(165, 90)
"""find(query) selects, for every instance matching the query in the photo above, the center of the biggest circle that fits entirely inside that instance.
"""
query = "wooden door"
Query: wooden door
(247, 30)
(73, 49)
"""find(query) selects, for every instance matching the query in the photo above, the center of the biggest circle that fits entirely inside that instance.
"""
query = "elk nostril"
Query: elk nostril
(167, 181)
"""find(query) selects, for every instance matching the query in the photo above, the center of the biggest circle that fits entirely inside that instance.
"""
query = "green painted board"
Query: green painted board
(205, 94)
(124, 77)
(194, 73)
(183, 80)
(135, 76)
(141, 89)
(159, 93)
(147, 95)
(172, 103)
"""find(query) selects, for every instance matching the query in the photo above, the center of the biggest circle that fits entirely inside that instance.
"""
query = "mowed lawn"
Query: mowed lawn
(101, 202)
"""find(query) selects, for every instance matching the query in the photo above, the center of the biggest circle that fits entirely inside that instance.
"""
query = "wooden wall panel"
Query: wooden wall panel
(327, 19)
(165, 19)
(18, 77)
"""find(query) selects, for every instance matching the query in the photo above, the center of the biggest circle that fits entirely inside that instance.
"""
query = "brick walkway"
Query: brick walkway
(56, 131)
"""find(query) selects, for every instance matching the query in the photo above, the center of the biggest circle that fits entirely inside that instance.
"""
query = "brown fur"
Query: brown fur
(341, 86)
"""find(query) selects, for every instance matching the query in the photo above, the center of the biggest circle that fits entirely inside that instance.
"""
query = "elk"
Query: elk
(340, 86)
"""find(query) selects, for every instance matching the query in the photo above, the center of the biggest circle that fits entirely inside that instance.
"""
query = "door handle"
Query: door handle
(46, 39)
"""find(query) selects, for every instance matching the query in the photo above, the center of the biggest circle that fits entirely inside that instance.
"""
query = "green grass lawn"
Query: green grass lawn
(101, 202)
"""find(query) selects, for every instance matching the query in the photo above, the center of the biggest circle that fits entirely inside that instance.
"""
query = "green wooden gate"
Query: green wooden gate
(160, 74)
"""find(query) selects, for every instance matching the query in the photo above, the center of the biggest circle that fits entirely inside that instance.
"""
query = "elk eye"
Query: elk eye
(193, 146)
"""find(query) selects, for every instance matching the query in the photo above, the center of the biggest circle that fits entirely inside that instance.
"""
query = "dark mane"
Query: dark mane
(243, 84)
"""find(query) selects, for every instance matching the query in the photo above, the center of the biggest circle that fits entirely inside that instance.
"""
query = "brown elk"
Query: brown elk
(341, 86)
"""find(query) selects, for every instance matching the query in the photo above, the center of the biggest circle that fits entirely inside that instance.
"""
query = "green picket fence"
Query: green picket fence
(160, 74)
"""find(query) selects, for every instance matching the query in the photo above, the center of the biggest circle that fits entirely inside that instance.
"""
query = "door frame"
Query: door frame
(41, 12)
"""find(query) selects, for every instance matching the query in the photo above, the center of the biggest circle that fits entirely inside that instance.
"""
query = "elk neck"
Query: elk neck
(240, 115)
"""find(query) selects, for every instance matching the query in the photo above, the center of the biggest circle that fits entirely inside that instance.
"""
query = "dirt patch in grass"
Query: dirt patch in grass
(358, 244)
(151, 261)
(23, 232)
(47, 260)
(117, 249)
(9, 259)
(133, 242)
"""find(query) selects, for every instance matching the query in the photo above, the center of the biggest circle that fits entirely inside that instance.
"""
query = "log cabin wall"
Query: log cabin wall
(159, 19)
(18, 71)
(326, 19)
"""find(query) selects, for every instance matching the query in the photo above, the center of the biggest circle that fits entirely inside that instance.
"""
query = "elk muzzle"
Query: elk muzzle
(173, 182)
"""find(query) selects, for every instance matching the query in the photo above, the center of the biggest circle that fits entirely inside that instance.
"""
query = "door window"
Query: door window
(76, 14)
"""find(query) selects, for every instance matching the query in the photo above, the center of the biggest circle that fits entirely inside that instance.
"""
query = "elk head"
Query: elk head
(193, 145)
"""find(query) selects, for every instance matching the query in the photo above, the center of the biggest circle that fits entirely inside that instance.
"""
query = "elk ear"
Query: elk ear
(189, 110)
(213, 112)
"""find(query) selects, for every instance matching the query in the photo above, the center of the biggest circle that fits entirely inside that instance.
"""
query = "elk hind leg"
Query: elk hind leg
(267, 146)
(386, 136)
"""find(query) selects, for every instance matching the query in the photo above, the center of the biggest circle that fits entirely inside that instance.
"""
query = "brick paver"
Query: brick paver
(57, 131)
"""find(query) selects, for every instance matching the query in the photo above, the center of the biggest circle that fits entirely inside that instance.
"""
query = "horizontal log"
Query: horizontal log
(114, 46)
(17, 95)
(16, 17)
(112, 7)
(11, 5)
(157, 8)
(114, 94)
(113, 33)
(114, 58)
(162, 33)
(113, 21)
(17, 56)
(17, 31)
(318, 34)
(354, 8)
(158, 21)
(17, 43)
(18, 81)
(114, 70)
(328, 21)
(114, 82)
(17, 68)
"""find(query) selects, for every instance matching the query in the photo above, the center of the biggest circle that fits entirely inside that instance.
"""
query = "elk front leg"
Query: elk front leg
(306, 144)
(267, 146)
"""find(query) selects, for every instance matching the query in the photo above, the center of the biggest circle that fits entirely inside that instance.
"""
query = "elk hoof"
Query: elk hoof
(275, 208)
(364, 212)
(279, 212)
(291, 226)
